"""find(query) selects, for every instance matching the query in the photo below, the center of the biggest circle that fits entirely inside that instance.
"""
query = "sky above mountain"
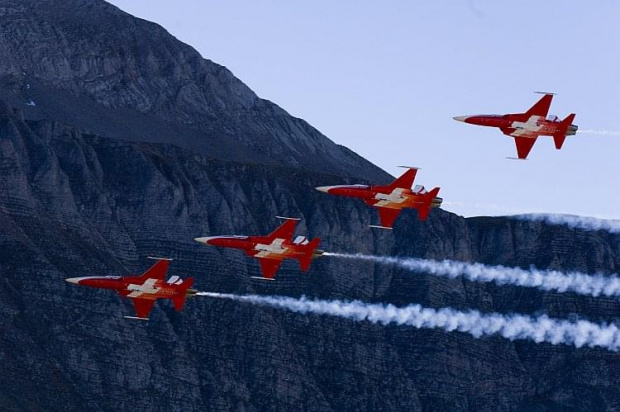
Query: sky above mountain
(386, 78)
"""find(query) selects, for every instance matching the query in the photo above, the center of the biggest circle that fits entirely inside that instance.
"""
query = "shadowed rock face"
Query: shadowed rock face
(75, 204)
(135, 146)
(87, 63)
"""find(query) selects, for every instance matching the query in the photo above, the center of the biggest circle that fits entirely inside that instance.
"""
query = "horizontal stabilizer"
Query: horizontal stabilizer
(158, 258)
(288, 218)
(515, 158)
(306, 259)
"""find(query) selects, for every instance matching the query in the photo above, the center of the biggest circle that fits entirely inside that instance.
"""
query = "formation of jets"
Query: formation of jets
(389, 200)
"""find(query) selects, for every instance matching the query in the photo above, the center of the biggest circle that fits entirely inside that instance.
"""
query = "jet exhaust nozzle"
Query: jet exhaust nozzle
(317, 253)
(190, 293)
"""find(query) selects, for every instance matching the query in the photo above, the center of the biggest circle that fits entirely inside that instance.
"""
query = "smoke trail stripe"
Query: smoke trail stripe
(600, 132)
(575, 222)
(547, 280)
(513, 327)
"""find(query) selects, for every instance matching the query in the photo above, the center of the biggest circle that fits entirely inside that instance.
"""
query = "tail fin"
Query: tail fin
(179, 300)
(559, 137)
(425, 209)
(306, 259)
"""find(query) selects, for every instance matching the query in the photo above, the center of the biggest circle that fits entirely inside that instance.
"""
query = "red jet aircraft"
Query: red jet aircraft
(145, 289)
(270, 250)
(526, 127)
(391, 199)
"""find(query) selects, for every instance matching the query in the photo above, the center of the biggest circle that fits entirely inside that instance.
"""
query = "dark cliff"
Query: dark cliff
(76, 199)
(75, 204)
(87, 63)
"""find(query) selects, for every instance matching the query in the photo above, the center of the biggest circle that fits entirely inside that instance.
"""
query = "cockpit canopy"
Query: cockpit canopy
(175, 280)
(300, 240)
(419, 189)
(553, 118)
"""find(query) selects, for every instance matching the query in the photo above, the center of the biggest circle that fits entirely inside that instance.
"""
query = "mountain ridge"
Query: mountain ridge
(87, 63)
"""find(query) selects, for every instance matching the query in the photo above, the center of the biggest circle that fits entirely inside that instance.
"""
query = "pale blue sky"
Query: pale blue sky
(385, 79)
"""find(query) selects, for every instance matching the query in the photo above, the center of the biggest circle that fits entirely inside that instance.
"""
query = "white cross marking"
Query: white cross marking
(275, 247)
(147, 287)
(532, 125)
(394, 197)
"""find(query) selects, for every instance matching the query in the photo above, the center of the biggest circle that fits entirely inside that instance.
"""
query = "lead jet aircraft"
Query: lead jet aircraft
(272, 249)
(145, 289)
(391, 199)
(526, 127)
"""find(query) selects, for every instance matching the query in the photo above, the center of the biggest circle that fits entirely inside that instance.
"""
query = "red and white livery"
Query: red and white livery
(526, 127)
(272, 249)
(393, 198)
(145, 289)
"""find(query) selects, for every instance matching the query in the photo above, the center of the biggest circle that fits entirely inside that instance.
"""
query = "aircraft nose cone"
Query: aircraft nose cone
(324, 189)
(75, 281)
(460, 118)
(202, 239)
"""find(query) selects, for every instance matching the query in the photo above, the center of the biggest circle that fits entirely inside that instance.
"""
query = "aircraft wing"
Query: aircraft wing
(524, 139)
(541, 107)
(524, 145)
(405, 181)
(158, 270)
(269, 267)
(388, 216)
(143, 307)
(284, 231)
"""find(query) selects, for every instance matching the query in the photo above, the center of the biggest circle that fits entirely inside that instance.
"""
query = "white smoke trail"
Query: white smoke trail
(547, 280)
(600, 132)
(575, 222)
(538, 329)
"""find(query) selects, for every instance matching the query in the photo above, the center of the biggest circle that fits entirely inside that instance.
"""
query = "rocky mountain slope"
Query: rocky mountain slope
(87, 63)
(81, 197)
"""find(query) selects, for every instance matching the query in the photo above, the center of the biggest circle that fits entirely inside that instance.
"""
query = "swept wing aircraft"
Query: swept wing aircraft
(272, 249)
(145, 289)
(393, 198)
(526, 127)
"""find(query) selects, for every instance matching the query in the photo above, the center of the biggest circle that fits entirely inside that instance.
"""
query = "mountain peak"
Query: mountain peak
(88, 63)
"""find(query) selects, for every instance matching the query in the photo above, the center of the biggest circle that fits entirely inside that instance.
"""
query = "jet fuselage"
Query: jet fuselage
(133, 286)
(260, 246)
(272, 249)
(533, 123)
(381, 196)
